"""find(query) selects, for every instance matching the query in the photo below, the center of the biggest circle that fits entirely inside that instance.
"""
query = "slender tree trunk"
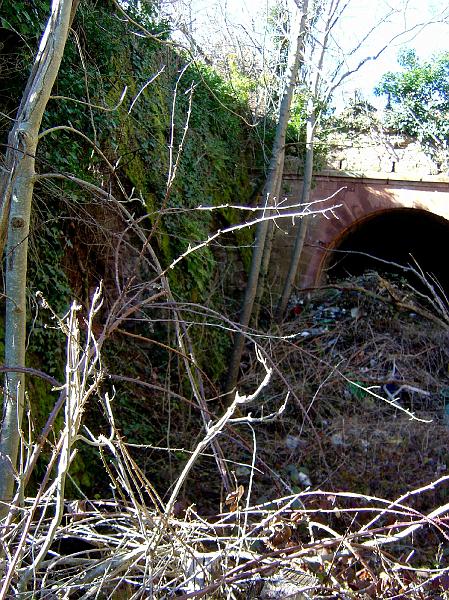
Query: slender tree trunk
(305, 197)
(331, 20)
(15, 209)
(267, 198)
(267, 249)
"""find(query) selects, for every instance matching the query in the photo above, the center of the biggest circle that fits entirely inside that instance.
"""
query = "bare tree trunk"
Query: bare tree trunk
(305, 197)
(267, 199)
(15, 209)
(267, 249)
(331, 20)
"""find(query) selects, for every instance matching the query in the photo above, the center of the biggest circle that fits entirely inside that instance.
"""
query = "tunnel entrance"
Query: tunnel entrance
(393, 235)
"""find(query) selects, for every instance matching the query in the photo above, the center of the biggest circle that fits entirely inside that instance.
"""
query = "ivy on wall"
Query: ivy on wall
(218, 159)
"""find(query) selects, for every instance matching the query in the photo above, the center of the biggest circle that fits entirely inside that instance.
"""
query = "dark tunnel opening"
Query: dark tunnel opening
(394, 236)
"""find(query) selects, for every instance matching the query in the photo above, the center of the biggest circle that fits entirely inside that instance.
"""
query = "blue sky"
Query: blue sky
(216, 21)
(426, 39)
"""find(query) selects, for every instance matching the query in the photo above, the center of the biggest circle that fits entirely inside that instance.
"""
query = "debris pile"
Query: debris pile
(367, 365)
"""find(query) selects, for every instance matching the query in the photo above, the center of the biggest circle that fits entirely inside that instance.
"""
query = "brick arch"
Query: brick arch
(341, 235)
(359, 199)
(422, 228)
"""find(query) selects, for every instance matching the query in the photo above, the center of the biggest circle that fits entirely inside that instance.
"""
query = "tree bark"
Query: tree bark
(15, 209)
(267, 249)
(305, 197)
(331, 20)
(267, 199)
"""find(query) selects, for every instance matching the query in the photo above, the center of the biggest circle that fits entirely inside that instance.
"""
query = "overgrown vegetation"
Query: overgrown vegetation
(418, 102)
(122, 183)
(334, 544)
(188, 118)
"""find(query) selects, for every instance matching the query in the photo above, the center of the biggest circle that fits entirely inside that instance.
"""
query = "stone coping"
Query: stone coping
(375, 175)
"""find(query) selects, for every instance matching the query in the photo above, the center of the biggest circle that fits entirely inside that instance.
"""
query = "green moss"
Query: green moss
(245, 239)
(218, 155)
(42, 398)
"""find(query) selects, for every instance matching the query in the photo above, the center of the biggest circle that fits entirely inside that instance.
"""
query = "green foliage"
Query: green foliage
(296, 129)
(46, 273)
(25, 18)
(242, 84)
(215, 159)
(358, 117)
(418, 101)
(214, 164)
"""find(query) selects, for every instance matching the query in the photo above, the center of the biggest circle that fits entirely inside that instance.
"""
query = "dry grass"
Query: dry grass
(308, 543)
(365, 379)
